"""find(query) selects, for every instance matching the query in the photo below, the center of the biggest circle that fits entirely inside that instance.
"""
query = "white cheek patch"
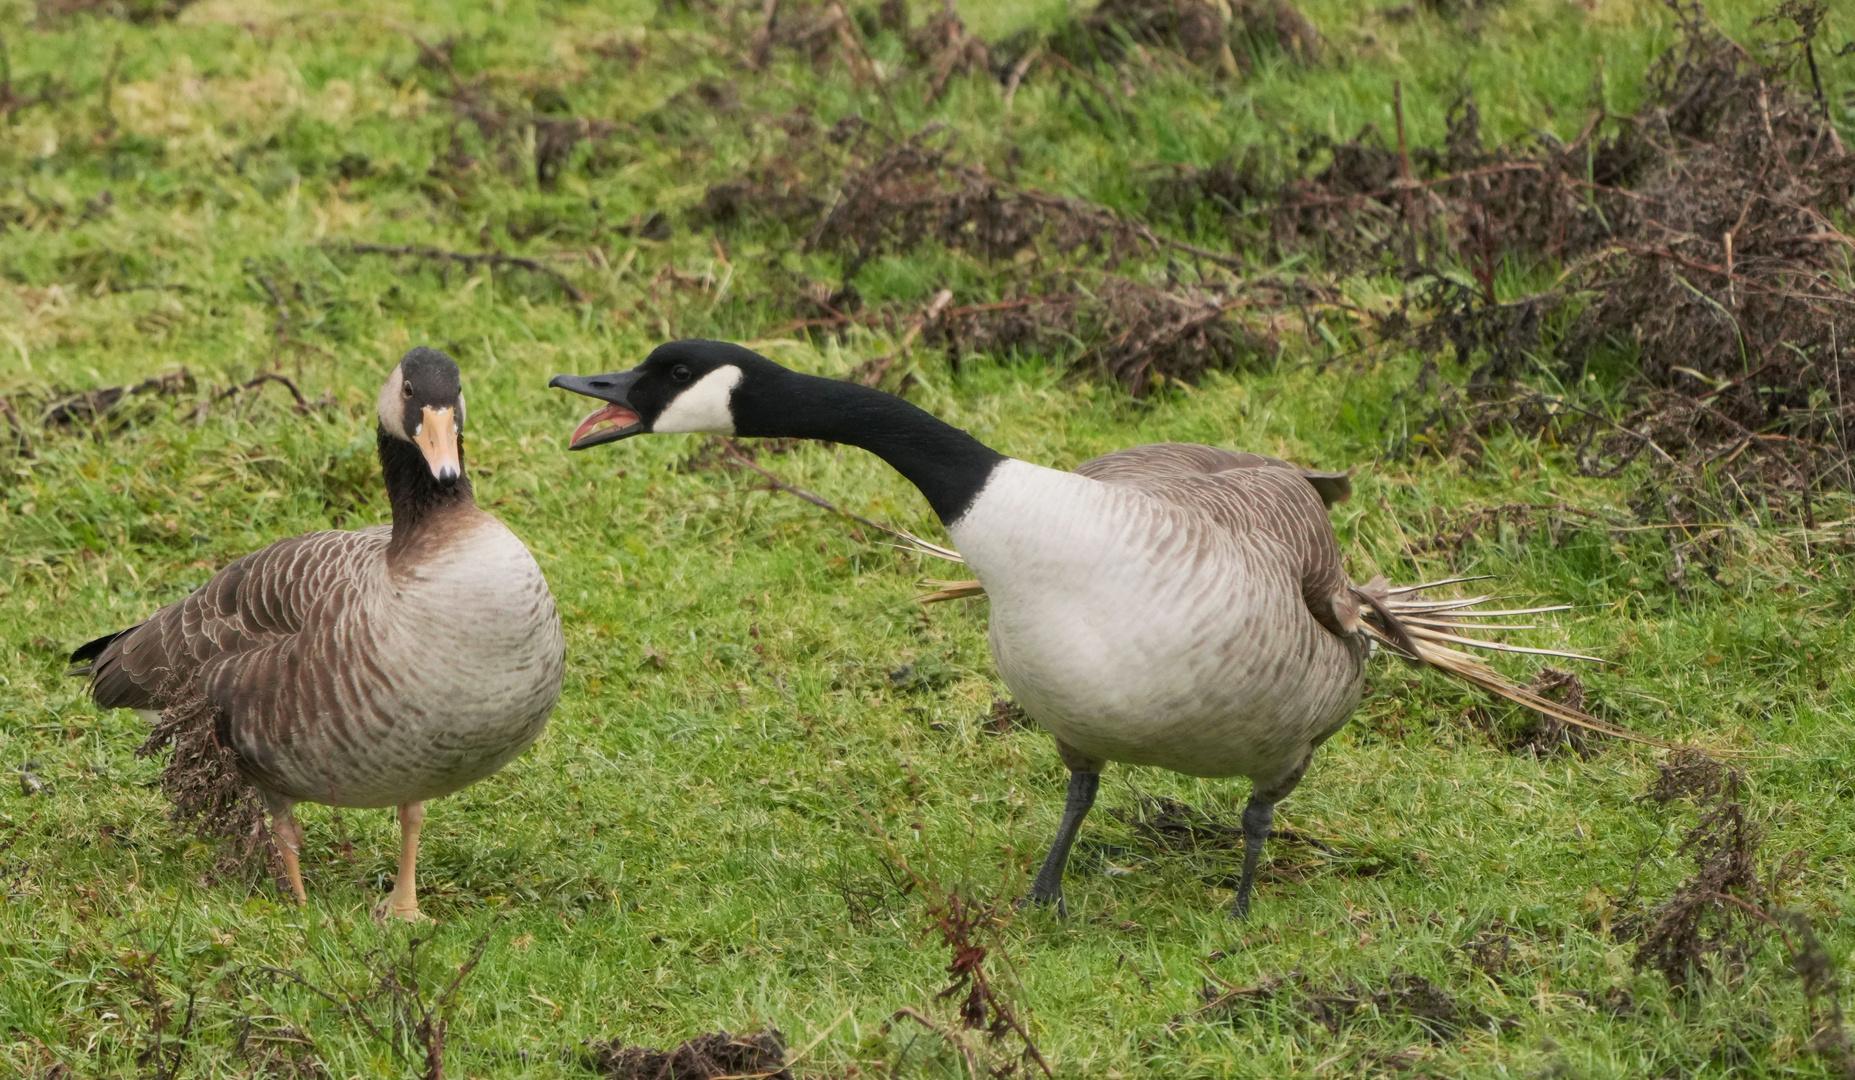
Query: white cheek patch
(392, 411)
(704, 407)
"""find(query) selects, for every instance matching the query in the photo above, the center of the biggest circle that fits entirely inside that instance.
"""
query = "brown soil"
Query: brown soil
(705, 1057)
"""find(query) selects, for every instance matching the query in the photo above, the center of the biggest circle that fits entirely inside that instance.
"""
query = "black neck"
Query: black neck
(948, 465)
(412, 489)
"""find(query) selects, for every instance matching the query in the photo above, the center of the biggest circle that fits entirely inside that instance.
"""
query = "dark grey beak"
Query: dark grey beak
(618, 420)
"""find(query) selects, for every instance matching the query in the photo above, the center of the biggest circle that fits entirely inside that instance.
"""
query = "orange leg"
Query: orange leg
(403, 901)
(289, 833)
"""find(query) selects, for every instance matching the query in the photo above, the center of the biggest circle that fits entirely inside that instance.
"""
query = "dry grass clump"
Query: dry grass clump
(136, 12)
(204, 788)
(504, 123)
(914, 192)
(1700, 235)
(1225, 36)
(1129, 331)
(1440, 1015)
(1714, 921)
(712, 1056)
(1540, 734)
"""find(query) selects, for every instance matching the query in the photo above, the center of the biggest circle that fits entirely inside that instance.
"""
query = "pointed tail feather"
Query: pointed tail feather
(84, 659)
(1427, 625)
(950, 590)
(1421, 631)
(1472, 671)
(911, 542)
(1383, 622)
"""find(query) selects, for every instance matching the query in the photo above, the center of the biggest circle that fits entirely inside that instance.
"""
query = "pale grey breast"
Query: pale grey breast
(1159, 610)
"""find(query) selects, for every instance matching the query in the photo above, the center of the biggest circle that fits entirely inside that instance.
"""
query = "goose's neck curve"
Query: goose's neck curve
(417, 497)
(949, 466)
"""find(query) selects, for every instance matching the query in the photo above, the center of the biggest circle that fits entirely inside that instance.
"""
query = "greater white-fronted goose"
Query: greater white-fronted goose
(380, 667)
(1169, 605)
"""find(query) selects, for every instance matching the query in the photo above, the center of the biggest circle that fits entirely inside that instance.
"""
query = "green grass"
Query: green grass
(699, 840)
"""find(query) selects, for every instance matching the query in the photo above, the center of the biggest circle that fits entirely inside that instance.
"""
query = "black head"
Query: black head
(423, 403)
(714, 386)
(683, 386)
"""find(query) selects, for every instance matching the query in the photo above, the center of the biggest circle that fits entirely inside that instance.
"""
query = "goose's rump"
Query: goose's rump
(1160, 612)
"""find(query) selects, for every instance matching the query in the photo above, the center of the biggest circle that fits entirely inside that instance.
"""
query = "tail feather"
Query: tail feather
(950, 590)
(1471, 670)
(1400, 590)
(1427, 625)
(84, 658)
(1383, 622)
(1421, 631)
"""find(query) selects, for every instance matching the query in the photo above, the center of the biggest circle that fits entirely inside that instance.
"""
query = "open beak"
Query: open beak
(617, 420)
(437, 440)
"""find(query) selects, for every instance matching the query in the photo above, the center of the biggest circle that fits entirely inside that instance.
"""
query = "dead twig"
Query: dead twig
(109, 91)
(776, 484)
(472, 258)
(1018, 71)
(302, 403)
(972, 1062)
(19, 429)
(280, 326)
(852, 36)
(762, 45)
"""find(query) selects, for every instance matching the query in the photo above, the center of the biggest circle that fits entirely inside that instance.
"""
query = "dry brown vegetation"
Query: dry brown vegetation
(714, 1056)
(1699, 236)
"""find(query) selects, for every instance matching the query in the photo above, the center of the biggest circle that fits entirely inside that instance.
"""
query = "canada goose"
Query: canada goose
(380, 667)
(1170, 605)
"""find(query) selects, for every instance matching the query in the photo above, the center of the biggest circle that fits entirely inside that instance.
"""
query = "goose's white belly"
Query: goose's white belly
(1132, 642)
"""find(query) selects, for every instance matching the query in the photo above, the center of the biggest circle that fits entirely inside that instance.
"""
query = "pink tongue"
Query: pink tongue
(616, 415)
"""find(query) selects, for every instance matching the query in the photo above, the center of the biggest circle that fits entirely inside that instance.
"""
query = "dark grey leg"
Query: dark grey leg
(1258, 818)
(1048, 888)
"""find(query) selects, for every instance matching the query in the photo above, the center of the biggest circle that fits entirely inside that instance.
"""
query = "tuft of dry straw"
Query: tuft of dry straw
(207, 793)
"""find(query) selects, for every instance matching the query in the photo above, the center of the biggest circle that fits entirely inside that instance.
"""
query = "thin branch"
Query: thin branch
(819, 501)
(852, 35)
(763, 37)
(472, 258)
(280, 326)
(302, 404)
(19, 427)
(1018, 71)
(972, 1063)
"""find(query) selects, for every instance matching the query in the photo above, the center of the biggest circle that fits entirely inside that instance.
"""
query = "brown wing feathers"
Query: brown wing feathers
(1138, 464)
(256, 600)
(1247, 492)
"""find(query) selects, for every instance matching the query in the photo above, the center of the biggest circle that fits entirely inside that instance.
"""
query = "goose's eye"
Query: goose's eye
(406, 389)
(680, 373)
